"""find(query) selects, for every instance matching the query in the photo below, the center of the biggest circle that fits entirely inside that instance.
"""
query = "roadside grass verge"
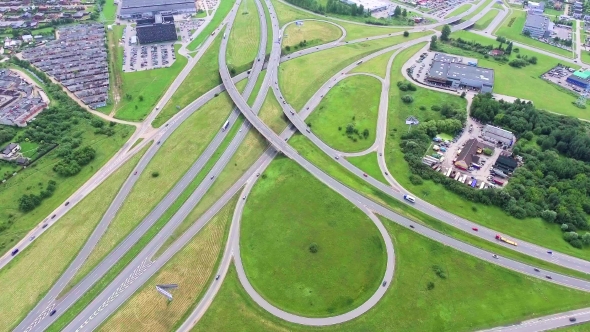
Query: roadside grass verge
(310, 34)
(458, 301)
(479, 10)
(221, 12)
(203, 77)
(301, 77)
(512, 27)
(244, 39)
(305, 248)
(377, 65)
(191, 268)
(272, 114)
(108, 12)
(368, 163)
(459, 10)
(342, 121)
(173, 159)
(32, 273)
(526, 82)
(485, 20)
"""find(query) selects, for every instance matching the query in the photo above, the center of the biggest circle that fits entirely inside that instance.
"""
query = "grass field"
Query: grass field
(312, 33)
(533, 230)
(473, 295)
(288, 212)
(483, 22)
(475, 12)
(368, 163)
(514, 32)
(377, 65)
(220, 13)
(36, 176)
(301, 77)
(459, 10)
(175, 157)
(52, 252)
(272, 114)
(191, 268)
(244, 38)
(203, 77)
(286, 14)
(498, 6)
(516, 82)
(341, 109)
(108, 12)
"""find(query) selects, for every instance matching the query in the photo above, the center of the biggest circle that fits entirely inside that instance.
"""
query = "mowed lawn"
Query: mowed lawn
(376, 66)
(368, 163)
(244, 39)
(287, 215)
(35, 178)
(473, 295)
(533, 230)
(221, 12)
(191, 268)
(30, 275)
(272, 114)
(203, 77)
(286, 14)
(459, 10)
(512, 26)
(525, 82)
(301, 77)
(312, 33)
(483, 22)
(342, 108)
(108, 12)
(176, 156)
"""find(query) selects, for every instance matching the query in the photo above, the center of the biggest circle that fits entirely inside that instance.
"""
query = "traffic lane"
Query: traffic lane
(548, 322)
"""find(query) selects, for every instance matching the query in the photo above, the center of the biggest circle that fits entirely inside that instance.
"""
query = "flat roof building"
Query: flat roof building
(457, 75)
(538, 26)
(497, 135)
(506, 164)
(536, 7)
(148, 8)
(580, 78)
(156, 30)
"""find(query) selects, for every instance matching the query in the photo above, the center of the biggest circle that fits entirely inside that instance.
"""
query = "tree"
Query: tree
(313, 248)
(349, 129)
(526, 33)
(366, 133)
(463, 94)
(508, 48)
(140, 97)
(397, 11)
(406, 34)
(488, 151)
(586, 238)
(433, 42)
(404, 13)
(407, 99)
(446, 32)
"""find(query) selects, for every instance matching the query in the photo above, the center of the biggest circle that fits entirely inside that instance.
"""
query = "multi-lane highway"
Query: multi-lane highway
(139, 271)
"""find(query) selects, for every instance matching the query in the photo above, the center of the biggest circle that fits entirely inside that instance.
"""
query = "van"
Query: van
(409, 198)
(14, 252)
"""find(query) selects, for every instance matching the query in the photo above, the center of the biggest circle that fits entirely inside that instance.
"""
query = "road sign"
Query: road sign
(411, 120)
(162, 290)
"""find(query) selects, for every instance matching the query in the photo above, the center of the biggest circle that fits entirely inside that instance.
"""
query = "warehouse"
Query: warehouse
(580, 78)
(156, 30)
(457, 76)
(538, 26)
(498, 135)
(149, 8)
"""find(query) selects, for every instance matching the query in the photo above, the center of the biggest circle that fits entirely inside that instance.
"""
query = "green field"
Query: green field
(52, 252)
(301, 77)
(272, 114)
(377, 65)
(368, 164)
(108, 12)
(244, 38)
(483, 22)
(340, 112)
(477, 11)
(498, 6)
(473, 295)
(203, 77)
(220, 13)
(287, 213)
(459, 10)
(310, 34)
(533, 230)
(516, 82)
(514, 32)
(192, 267)
(175, 157)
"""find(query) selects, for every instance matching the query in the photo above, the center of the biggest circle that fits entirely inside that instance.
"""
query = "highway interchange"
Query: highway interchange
(144, 265)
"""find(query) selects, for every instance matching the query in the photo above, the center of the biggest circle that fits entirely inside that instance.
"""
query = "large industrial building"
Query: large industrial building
(370, 6)
(149, 8)
(580, 78)
(457, 75)
(498, 135)
(537, 25)
(156, 30)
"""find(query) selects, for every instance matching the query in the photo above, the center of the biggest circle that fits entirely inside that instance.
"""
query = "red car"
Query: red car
(475, 229)
(365, 174)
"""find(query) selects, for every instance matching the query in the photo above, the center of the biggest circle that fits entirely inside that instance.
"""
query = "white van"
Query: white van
(409, 198)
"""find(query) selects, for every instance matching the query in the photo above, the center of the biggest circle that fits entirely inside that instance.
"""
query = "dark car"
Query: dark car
(572, 319)
(411, 226)
(52, 312)
(45, 225)
(384, 283)
(548, 277)
(67, 203)
(536, 270)
(53, 216)
(217, 278)
(14, 252)
(135, 173)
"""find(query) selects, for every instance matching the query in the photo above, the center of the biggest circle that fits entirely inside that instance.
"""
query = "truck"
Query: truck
(503, 239)
(225, 125)
(498, 182)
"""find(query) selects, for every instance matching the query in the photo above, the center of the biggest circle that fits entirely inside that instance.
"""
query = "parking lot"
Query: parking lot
(145, 57)
(558, 75)
(186, 28)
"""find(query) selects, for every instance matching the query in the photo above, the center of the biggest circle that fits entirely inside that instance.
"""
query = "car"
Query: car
(14, 252)
(307, 129)
(52, 312)
(475, 229)
(53, 216)
(550, 252)
(495, 256)
(32, 238)
(67, 203)
(257, 174)
(337, 157)
(410, 198)
(384, 283)
(386, 173)
(412, 226)
(536, 270)
(135, 173)
(244, 197)
(572, 319)
(365, 175)
(380, 154)
(44, 225)
(158, 143)
(217, 278)
(212, 176)
(548, 277)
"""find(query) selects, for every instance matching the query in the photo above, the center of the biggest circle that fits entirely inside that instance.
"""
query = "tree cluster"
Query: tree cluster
(29, 202)
(72, 162)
